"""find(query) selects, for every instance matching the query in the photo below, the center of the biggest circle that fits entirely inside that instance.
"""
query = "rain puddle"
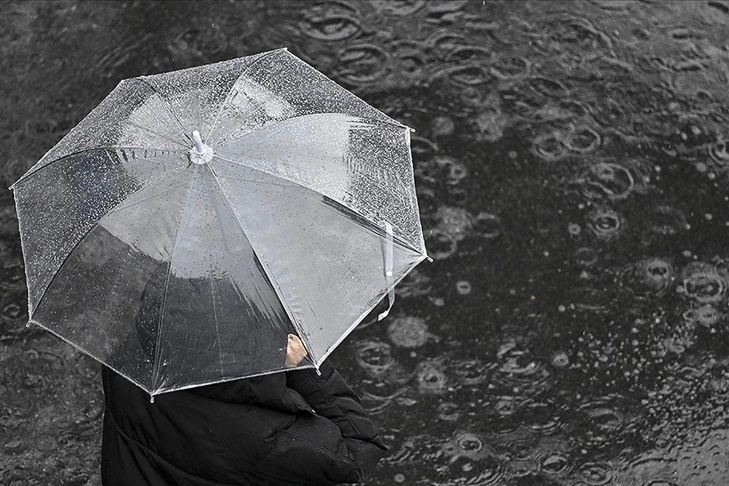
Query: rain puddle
(571, 160)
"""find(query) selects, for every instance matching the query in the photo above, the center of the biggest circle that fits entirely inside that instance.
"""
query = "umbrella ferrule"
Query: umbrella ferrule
(199, 147)
(200, 153)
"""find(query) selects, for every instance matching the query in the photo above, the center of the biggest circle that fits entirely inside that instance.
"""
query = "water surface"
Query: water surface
(571, 161)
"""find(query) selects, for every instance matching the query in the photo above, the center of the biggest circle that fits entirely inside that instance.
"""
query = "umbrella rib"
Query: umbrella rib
(393, 122)
(268, 273)
(248, 68)
(65, 259)
(155, 132)
(180, 230)
(253, 101)
(88, 353)
(214, 125)
(361, 317)
(83, 151)
(275, 124)
(118, 206)
(396, 239)
(217, 329)
(275, 130)
(139, 147)
(167, 103)
(81, 239)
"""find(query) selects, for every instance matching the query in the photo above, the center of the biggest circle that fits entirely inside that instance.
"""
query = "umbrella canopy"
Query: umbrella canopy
(195, 218)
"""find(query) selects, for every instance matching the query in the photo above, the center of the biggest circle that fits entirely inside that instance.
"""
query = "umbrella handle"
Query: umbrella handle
(388, 271)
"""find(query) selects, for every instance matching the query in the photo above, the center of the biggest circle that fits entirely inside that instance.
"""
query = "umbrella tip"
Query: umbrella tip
(199, 147)
(200, 153)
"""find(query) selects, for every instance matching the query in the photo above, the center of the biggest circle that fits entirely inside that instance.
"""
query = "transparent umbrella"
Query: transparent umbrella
(195, 218)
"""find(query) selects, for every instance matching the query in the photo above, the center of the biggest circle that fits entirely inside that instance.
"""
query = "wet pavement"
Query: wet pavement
(571, 161)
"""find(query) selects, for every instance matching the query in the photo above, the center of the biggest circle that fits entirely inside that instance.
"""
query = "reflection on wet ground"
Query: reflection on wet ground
(571, 159)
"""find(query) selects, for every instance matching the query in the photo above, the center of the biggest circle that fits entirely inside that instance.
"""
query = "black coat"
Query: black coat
(283, 429)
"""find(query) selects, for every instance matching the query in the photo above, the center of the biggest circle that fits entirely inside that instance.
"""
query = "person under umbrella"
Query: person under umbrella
(299, 427)
(192, 233)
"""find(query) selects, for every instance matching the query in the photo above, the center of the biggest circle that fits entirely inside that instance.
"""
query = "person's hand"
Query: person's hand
(295, 351)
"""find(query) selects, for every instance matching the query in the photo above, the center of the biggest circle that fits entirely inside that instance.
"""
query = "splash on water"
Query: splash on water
(409, 332)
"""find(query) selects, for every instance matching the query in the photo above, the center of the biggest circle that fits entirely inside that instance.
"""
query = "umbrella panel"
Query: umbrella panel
(326, 261)
(196, 96)
(57, 209)
(183, 249)
(227, 321)
(133, 115)
(180, 305)
(279, 86)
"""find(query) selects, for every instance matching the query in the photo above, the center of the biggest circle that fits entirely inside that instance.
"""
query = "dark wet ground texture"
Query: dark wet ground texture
(572, 161)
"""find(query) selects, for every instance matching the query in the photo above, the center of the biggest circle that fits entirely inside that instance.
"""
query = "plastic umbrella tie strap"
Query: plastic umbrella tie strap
(388, 271)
